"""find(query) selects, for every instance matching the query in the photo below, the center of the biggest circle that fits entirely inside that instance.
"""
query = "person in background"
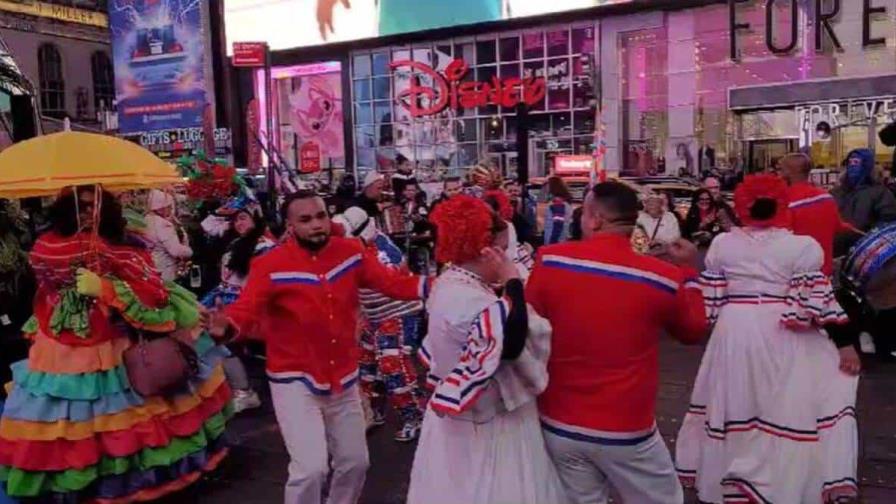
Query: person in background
(417, 239)
(608, 307)
(403, 176)
(864, 203)
(344, 195)
(658, 223)
(245, 238)
(371, 197)
(813, 212)
(390, 337)
(524, 209)
(714, 186)
(575, 227)
(704, 221)
(17, 287)
(451, 186)
(169, 244)
(559, 212)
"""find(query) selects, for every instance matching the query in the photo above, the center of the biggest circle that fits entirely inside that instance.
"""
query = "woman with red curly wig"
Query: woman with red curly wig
(481, 441)
(772, 417)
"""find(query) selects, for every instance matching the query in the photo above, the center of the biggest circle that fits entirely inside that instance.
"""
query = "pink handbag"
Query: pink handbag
(159, 366)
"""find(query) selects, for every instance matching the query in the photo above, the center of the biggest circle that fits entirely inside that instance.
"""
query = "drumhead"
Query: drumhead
(871, 256)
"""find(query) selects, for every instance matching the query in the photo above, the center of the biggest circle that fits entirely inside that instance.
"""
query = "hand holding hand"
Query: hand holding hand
(215, 321)
(88, 283)
(683, 253)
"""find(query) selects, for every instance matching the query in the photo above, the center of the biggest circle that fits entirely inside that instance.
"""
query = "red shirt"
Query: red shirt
(813, 212)
(608, 307)
(304, 305)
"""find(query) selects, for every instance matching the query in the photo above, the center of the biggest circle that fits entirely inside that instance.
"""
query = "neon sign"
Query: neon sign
(447, 90)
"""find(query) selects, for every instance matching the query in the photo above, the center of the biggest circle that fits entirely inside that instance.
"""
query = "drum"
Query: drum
(871, 267)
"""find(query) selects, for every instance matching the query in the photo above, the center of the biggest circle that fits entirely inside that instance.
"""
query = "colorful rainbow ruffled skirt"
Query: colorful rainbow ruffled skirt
(72, 430)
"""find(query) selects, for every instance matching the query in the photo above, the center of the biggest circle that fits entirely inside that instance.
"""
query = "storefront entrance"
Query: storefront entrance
(762, 154)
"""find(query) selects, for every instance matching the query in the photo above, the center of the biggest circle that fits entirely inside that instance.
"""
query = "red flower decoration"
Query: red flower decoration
(505, 210)
(463, 229)
(755, 187)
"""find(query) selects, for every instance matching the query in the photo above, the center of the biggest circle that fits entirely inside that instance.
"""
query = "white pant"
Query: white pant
(314, 427)
(641, 473)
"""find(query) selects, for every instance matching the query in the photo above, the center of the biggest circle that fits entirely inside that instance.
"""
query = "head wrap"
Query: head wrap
(763, 186)
(463, 229)
(357, 223)
(371, 178)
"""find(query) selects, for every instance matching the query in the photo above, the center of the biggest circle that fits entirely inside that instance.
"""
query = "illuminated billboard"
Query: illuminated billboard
(296, 23)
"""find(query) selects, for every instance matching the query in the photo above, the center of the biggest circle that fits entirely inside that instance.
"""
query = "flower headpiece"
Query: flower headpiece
(756, 187)
(209, 178)
(463, 229)
(505, 210)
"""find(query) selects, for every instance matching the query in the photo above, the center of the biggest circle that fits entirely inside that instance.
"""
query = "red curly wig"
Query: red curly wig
(762, 187)
(464, 226)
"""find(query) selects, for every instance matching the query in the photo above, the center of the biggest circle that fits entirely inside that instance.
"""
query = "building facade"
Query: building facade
(662, 88)
(62, 47)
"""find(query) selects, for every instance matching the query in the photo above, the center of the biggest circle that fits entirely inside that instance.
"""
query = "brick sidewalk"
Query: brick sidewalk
(256, 470)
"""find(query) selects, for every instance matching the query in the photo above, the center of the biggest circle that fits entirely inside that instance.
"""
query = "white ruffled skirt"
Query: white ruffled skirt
(502, 461)
(772, 418)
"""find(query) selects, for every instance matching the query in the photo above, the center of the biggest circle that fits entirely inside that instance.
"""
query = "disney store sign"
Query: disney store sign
(448, 90)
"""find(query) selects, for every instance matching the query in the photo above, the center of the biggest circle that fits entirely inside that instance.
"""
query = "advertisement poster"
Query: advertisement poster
(158, 52)
(297, 23)
(315, 107)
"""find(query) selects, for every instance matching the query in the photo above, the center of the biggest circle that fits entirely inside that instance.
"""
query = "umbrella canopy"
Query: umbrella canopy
(46, 164)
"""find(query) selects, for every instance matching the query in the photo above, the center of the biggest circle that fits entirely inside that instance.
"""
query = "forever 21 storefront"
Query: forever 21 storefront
(683, 86)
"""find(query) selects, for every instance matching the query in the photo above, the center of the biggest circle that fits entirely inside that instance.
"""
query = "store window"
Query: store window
(52, 82)
(453, 140)
(103, 81)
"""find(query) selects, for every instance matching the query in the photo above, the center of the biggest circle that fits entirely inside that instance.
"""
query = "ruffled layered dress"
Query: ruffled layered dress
(772, 418)
(72, 429)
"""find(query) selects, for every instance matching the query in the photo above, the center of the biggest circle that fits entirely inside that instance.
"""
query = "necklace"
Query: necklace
(462, 275)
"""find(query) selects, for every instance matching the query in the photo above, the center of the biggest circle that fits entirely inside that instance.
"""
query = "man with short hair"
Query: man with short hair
(608, 307)
(451, 187)
(524, 209)
(813, 212)
(302, 299)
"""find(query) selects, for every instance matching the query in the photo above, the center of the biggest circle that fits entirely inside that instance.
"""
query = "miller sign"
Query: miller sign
(447, 90)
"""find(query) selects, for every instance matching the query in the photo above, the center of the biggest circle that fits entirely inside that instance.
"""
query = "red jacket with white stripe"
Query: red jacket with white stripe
(608, 307)
(304, 305)
(813, 212)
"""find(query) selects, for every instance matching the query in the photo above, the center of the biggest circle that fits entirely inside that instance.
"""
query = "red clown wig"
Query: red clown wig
(769, 188)
(464, 226)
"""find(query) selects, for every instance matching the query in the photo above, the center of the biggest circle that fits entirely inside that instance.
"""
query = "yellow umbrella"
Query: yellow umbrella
(44, 165)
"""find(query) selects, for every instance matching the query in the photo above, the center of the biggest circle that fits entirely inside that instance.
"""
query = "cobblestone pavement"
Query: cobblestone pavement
(256, 470)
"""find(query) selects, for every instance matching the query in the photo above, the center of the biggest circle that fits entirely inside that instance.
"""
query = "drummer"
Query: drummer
(870, 271)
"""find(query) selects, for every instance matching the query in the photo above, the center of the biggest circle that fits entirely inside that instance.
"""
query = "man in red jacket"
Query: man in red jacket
(608, 307)
(813, 212)
(302, 299)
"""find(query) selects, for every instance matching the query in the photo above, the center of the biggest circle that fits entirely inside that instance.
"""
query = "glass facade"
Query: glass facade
(676, 76)
(455, 139)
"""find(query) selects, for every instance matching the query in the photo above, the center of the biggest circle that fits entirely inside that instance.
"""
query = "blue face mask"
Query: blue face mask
(855, 172)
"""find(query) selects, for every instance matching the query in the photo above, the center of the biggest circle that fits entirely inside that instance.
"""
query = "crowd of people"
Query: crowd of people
(526, 377)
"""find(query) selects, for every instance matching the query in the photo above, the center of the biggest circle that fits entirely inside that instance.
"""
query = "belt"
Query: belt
(756, 299)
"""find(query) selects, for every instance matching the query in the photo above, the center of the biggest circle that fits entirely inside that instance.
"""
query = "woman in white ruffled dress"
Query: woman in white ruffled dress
(481, 441)
(772, 417)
